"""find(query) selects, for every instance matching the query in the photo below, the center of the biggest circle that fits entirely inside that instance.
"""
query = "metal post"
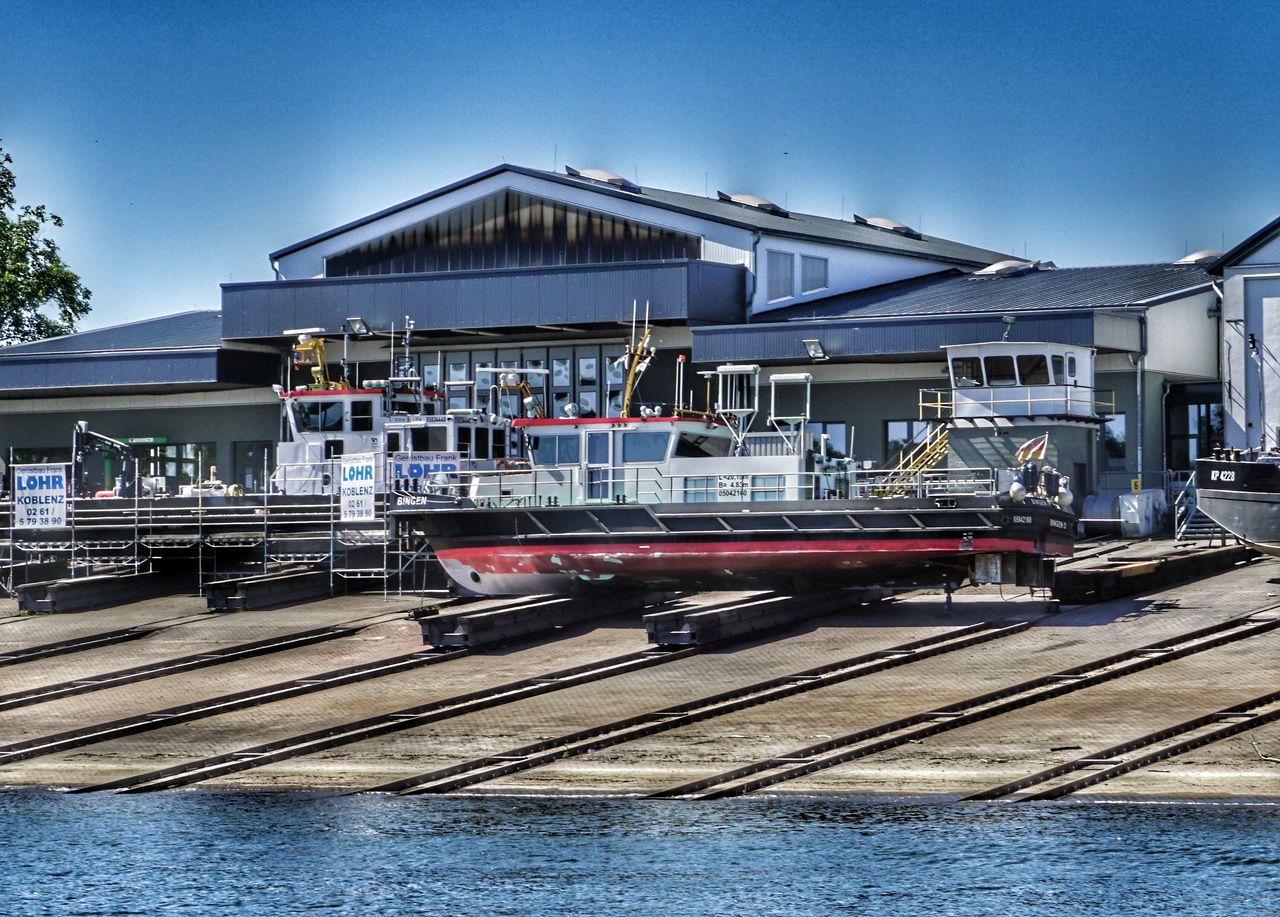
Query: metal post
(332, 533)
(199, 523)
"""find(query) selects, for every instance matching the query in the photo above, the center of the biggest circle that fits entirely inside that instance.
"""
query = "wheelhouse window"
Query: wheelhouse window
(700, 445)
(1000, 371)
(1033, 369)
(554, 450)
(644, 446)
(434, 438)
(318, 416)
(361, 416)
(966, 372)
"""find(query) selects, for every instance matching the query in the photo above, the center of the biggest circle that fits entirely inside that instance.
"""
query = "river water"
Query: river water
(273, 853)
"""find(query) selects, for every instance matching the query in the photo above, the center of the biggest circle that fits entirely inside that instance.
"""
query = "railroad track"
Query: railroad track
(843, 749)
(1166, 743)
(642, 725)
(400, 720)
(179, 664)
(226, 703)
(91, 641)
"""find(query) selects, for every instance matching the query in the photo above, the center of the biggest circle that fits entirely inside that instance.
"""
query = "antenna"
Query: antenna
(555, 157)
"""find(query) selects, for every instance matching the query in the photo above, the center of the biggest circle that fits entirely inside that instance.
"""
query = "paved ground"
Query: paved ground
(954, 763)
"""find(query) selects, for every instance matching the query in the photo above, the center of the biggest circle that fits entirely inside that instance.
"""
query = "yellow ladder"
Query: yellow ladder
(928, 453)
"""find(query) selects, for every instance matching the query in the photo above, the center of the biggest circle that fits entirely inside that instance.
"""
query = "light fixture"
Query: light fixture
(813, 347)
(1008, 322)
(357, 325)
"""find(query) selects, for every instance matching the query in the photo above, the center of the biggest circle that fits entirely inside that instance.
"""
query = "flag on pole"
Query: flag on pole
(1032, 449)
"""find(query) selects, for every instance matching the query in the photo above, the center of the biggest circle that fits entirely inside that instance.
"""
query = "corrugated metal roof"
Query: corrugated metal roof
(800, 225)
(201, 328)
(953, 293)
(1245, 248)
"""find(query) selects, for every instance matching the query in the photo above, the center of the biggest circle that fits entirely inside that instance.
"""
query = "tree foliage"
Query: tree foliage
(40, 296)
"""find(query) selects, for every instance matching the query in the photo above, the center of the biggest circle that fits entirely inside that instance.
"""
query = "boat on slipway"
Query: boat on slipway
(1240, 491)
(680, 499)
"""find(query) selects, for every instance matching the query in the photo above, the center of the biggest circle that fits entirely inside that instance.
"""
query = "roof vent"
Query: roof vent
(1009, 268)
(1204, 256)
(901, 229)
(750, 200)
(603, 177)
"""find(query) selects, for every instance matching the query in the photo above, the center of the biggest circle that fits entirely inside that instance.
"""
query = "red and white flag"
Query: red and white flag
(1032, 449)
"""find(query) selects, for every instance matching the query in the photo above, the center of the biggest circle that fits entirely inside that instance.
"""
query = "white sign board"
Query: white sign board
(40, 496)
(733, 486)
(421, 466)
(355, 497)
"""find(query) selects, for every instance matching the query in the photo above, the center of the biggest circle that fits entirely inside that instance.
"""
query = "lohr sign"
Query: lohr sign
(421, 466)
(356, 491)
(40, 496)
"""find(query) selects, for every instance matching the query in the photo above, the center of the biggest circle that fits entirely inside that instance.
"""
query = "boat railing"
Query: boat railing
(1016, 401)
(575, 485)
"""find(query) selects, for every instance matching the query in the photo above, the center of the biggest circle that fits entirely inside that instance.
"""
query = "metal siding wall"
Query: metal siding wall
(61, 371)
(492, 299)
(781, 340)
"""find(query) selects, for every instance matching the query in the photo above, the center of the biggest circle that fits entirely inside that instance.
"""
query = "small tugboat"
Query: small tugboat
(412, 432)
(1241, 492)
(683, 499)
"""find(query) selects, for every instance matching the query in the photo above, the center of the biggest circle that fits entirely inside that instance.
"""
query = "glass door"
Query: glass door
(598, 462)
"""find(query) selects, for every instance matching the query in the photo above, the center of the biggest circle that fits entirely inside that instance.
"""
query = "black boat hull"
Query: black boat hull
(1244, 498)
(530, 550)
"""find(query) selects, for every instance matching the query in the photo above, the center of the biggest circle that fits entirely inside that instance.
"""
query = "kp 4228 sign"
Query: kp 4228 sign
(40, 496)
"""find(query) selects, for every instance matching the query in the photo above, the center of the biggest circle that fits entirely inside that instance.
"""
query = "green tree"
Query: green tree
(40, 296)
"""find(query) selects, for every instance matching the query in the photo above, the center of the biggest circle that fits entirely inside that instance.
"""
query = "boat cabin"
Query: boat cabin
(1020, 379)
(396, 419)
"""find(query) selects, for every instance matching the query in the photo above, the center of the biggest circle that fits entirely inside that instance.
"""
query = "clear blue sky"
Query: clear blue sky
(182, 142)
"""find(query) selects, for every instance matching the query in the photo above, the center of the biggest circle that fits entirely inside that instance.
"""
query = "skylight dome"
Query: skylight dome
(604, 177)
(751, 200)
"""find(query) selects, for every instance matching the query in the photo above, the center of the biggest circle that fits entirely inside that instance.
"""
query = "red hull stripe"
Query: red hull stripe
(719, 557)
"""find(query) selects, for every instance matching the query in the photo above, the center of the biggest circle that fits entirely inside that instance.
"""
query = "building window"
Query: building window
(837, 434)
(1113, 442)
(813, 274)
(512, 229)
(901, 436)
(251, 465)
(1194, 429)
(781, 268)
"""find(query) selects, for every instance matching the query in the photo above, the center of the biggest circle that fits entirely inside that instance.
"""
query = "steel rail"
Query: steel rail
(396, 721)
(642, 725)
(892, 734)
(1239, 718)
(1110, 755)
(226, 703)
(409, 718)
(76, 645)
(173, 666)
(215, 706)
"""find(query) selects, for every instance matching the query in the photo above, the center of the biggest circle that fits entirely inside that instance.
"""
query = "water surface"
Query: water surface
(272, 853)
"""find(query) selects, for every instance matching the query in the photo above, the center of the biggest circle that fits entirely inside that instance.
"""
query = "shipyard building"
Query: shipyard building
(1135, 369)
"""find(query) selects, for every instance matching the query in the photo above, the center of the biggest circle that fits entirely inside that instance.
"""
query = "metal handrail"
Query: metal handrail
(940, 403)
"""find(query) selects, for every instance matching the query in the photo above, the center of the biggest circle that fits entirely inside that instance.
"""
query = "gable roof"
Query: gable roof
(1052, 290)
(796, 225)
(182, 330)
(1245, 248)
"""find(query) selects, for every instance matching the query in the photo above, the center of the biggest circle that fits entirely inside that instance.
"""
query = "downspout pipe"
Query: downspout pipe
(754, 273)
